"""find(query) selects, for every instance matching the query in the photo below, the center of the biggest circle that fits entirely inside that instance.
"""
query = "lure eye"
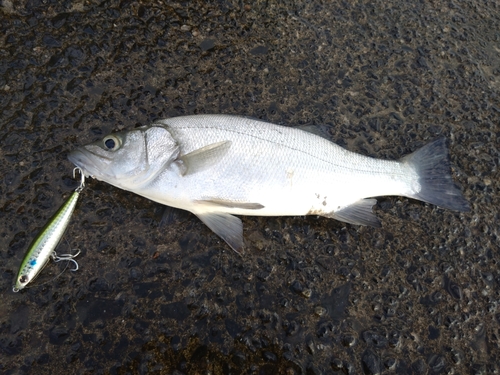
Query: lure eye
(111, 142)
(23, 279)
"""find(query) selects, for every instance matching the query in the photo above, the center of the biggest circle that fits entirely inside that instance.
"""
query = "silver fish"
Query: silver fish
(217, 166)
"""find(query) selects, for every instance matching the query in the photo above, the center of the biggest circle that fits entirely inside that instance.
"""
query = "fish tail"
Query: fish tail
(432, 164)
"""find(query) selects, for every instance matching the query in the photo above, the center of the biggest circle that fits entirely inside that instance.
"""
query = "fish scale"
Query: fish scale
(217, 166)
(274, 153)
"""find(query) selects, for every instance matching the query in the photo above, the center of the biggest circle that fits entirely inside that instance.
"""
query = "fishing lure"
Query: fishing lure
(43, 246)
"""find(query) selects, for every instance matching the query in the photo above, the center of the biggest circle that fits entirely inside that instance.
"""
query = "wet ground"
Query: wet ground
(311, 295)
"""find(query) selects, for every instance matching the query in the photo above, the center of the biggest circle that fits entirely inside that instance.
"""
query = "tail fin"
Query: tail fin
(432, 164)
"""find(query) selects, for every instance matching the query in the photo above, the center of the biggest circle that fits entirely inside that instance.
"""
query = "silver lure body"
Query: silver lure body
(219, 165)
(43, 246)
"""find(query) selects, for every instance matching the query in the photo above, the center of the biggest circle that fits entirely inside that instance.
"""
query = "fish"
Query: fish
(43, 246)
(217, 166)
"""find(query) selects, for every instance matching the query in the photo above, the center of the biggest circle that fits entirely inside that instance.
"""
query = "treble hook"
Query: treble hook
(82, 179)
(70, 257)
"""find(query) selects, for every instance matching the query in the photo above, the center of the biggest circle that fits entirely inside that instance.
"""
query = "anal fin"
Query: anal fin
(226, 226)
(359, 213)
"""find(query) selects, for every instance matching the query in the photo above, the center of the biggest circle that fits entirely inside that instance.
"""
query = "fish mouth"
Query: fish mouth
(86, 161)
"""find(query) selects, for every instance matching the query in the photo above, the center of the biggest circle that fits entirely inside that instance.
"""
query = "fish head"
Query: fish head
(127, 159)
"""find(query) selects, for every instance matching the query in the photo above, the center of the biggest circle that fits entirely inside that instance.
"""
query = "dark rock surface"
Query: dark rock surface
(418, 296)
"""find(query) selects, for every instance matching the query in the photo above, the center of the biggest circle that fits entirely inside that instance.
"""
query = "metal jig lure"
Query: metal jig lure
(43, 246)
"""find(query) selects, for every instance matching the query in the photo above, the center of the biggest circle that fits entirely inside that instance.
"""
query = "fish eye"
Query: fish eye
(111, 142)
(23, 279)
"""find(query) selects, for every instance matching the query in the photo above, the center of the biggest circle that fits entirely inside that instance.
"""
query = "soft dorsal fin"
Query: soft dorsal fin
(319, 130)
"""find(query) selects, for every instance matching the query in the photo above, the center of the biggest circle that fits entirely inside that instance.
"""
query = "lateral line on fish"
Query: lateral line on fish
(331, 181)
(295, 149)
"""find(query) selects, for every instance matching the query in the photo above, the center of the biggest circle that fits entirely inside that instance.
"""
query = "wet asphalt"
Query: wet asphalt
(311, 295)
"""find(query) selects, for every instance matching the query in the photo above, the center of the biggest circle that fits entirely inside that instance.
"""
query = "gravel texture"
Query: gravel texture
(311, 295)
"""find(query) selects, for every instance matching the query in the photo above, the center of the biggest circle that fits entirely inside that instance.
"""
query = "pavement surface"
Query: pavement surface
(311, 295)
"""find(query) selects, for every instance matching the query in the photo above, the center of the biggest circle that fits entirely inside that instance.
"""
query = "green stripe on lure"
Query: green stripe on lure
(43, 247)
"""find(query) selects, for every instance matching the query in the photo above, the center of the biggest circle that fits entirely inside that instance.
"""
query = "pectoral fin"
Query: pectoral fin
(203, 158)
(227, 227)
(359, 213)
